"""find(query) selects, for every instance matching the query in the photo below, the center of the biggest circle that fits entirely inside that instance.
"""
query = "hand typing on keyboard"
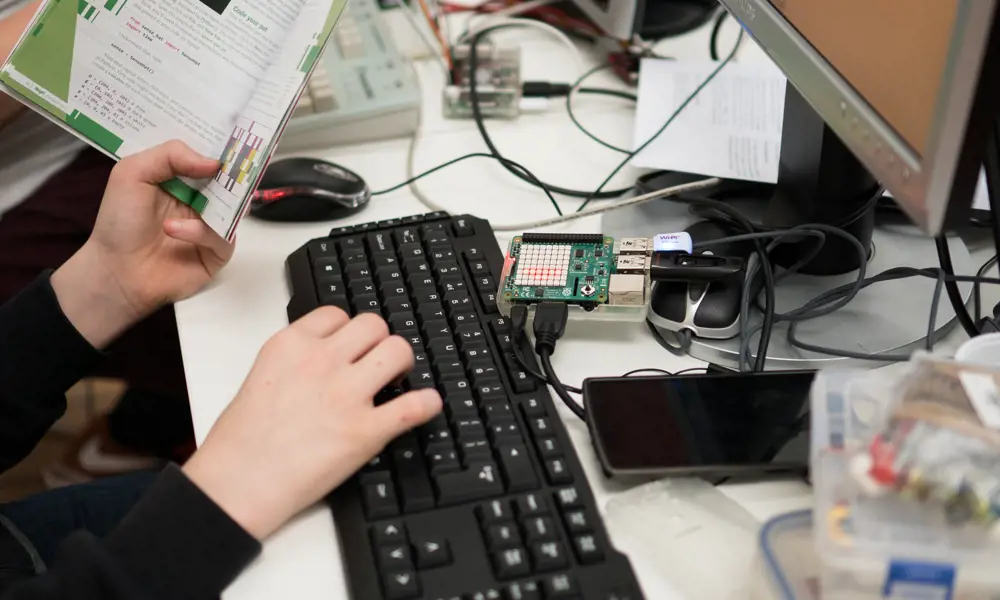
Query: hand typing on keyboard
(305, 419)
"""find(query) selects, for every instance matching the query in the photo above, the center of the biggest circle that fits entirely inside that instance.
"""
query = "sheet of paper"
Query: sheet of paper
(731, 129)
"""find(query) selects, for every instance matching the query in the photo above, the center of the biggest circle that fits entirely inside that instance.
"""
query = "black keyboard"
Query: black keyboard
(488, 501)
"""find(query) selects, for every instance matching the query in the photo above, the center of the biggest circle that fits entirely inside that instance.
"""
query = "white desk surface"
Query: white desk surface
(222, 328)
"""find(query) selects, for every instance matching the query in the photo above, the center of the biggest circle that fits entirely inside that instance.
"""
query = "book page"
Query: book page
(731, 129)
(254, 135)
(127, 75)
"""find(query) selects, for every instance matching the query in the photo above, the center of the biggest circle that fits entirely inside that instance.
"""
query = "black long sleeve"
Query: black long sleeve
(41, 356)
(176, 542)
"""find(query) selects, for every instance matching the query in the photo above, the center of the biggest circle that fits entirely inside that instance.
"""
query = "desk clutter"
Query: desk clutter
(906, 486)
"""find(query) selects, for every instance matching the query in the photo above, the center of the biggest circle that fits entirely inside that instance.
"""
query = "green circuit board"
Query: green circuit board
(562, 267)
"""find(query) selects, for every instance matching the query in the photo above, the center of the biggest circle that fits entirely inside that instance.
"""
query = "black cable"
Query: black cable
(648, 370)
(729, 57)
(713, 41)
(991, 165)
(572, 115)
(692, 370)
(477, 116)
(534, 372)
(954, 295)
(545, 357)
(609, 92)
(453, 161)
(977, 296)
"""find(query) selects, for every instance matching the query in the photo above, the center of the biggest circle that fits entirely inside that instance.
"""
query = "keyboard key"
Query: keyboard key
(490, 389)
(577, 521)
(389, 533)
(450, 370)
(515, 466)
(494, 511)
(557, 472)
(356, 257)
(423, 283)
(456, 300)
(420, 379)
(526, 590)
(479, 480)
(541, 428)
(522, 381)
(432, 552)
(540, 529)
(447, 271)
(384, 260)
(366, 303)
(414, 481)
(460, 319)
(511, 563)
(489, 594)
(351, 244)
(497, 411)
(505, 433)
(549, 448)
(533, 407)
(339, 231)
(485, 283)
(426, 296)
(327, 266)
(469, 334)
(395, 558)
(549, 556)
(586, 549)
(402, 585)
(406, 235)
(435, 432)
(444, 462)
(560, 586)
(416, 342)
(416, 266)
(476, 351)
(453, 285)
(568, 498)
(393, 291)
(408, 251)
(395, 306)
(463, 227)
(362, 287)
(454, 387)
(473, 451)
(479, 268)
(502, 535)
(489, 300)
(430, 312)
(437, 329)
(469, 429)
(463, 407)
(437, 256)
(402, 323)
(320, 249)
(474, 254)
(380, 241)
(441, 348)
(391, 275)
(437, 241)
(531, 505)
(412, 219)
(380, 499)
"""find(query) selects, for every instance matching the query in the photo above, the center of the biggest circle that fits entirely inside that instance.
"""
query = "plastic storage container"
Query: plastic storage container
(883, 547)
(788, 568)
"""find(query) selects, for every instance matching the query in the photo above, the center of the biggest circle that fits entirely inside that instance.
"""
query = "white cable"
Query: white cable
(424, 33)
(607, 205)
(490, 19)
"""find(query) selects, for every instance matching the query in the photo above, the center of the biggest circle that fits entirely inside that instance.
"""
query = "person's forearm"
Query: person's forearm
(92, 300)
(11, 29)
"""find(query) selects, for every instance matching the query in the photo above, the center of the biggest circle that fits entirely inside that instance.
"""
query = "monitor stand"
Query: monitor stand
(889, 317)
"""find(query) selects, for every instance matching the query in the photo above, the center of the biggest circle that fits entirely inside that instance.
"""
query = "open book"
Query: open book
(222, 75)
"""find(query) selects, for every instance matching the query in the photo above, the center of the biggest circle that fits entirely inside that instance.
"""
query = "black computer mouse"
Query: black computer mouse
(707, 310)
(307, 189)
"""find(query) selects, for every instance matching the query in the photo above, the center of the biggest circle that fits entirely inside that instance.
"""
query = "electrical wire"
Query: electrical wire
(961, 312)
(432, 45)
(647, 370)
(711, 76)
(977, 296)
(531, 370)
(477, 114)
(577, 88)
(545, 357)
(713, 41)
(437, 32)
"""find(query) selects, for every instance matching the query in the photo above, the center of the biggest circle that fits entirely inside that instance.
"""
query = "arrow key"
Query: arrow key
(516, 468)
(390, 533)
(432, 552)
(394, 558)
(401, 585)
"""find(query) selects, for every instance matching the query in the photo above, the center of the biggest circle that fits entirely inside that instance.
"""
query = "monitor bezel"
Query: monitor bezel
(935, 189)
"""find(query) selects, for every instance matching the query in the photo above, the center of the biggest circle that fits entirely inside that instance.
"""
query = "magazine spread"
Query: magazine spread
(222, 75)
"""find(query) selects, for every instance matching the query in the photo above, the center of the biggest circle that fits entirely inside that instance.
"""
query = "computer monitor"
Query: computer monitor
(651, 19)
(896, 93)
(902, 84)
